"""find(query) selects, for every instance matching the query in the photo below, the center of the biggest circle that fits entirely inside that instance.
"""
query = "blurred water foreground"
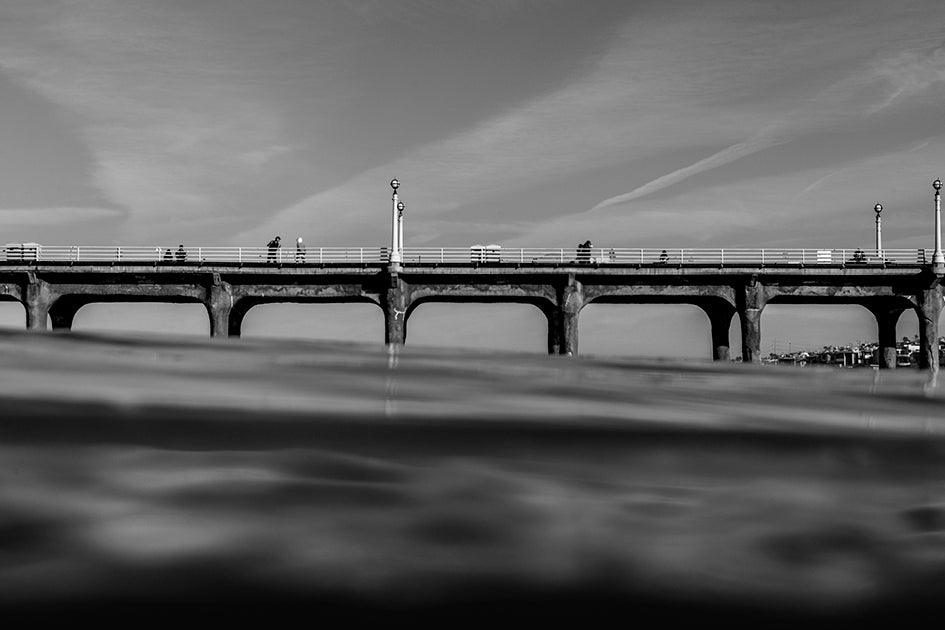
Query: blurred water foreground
(164, 476)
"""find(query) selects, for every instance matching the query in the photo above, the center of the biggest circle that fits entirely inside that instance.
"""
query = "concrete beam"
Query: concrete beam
(929, 311)
(219, 305)
(887, 315)
(396, 302)
(38, 298)
(752, 298)
(563, 319)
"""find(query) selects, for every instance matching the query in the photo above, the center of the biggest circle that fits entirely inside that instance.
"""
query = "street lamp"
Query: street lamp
(937, 258)
(395, 232)
(878, 208)
(400, 226)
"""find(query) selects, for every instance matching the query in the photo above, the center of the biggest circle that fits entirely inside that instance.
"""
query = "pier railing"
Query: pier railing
(479, 255)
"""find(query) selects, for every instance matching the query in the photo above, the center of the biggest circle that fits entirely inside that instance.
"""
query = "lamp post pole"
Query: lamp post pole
(400, 227)
(395, 257)
(937, 258)
(878, 209)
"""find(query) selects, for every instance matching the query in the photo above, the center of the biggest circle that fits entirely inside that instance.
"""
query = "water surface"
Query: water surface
(236, 477)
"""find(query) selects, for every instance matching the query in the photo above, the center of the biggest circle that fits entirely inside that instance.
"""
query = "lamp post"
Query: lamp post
(937, 258)
(400, 227)
(395, 257)
(878, 209)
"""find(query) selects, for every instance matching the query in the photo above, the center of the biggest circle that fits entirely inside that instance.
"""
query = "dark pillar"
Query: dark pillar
(930, 308)
(38, 300)
(219, 306)
(62, 313)
(563, 319)
(395, 301)
(751, 302)
(886, 319)
(720, 320)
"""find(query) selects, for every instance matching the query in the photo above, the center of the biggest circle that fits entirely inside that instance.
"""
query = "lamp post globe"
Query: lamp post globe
(394, 184)
(878, 208)
(400, 207)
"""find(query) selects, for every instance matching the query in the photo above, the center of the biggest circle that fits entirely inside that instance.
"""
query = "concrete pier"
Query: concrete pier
(55, 291)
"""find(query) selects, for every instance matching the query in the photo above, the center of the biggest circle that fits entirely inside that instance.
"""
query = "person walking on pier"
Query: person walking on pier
(273, 246)
(299, 250)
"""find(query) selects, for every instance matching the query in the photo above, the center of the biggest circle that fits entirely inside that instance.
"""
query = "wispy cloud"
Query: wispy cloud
(725, 156)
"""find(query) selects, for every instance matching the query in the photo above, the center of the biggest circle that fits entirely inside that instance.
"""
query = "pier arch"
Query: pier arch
(242, 306)
(653, 329)
(359, 321)
(795, 325)
(184, 317)
(496, 324)
(12, 314)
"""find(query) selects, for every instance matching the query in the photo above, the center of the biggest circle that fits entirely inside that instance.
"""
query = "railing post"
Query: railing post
(721, 257)
(561, 255)
(641, 255)
(762, 257)
(77, 252)
(200, 254)
(521, 254)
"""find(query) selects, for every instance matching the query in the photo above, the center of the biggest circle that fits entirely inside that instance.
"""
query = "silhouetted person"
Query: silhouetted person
(664, 257)
(299, 250)
(584, 252)
(859, 256)
(168, 254)
(181, 253)
(273, 246)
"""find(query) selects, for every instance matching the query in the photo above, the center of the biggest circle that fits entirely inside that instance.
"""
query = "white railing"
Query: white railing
(478, 255)
(176, 255)
(669, 256)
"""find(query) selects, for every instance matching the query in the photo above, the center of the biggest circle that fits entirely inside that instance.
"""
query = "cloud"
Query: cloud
(725, 156)
(41, 217)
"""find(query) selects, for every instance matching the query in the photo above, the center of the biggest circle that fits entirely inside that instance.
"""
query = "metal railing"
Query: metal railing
(668, 256)
(170, 255)
(478, 255)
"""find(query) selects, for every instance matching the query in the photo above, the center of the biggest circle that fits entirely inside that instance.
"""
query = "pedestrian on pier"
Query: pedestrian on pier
(181, 253)
(299, 250)
(273, 246)
(168, 254)
(584, 252)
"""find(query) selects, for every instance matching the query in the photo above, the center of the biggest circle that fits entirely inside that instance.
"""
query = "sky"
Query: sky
(731, 123)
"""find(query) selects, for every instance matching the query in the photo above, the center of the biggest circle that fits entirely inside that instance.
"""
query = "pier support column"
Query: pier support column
(720, 322)
(38, 300)
(886, 320)
(62, 313)
(751, 301)
(930, 308)
(394, 303)
(563, 319)
(219, 306)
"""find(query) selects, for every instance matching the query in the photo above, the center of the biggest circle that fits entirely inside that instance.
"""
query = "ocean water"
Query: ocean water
(146, 476)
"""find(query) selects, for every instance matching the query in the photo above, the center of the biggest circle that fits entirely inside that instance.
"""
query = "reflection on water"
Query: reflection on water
(155, 473)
